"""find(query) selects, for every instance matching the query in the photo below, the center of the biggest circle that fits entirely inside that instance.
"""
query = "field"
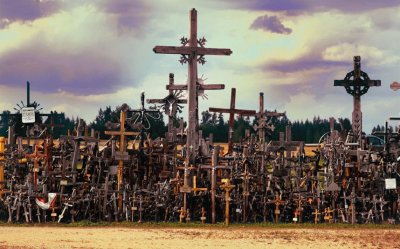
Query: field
(197, 236)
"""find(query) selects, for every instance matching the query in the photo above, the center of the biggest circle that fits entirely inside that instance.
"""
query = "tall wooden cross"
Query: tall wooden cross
(122, 153)
(192, 51)
(214, 166)
(357, 87)
(232, 111)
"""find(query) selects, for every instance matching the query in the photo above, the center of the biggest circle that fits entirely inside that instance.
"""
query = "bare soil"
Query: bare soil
(196, 238)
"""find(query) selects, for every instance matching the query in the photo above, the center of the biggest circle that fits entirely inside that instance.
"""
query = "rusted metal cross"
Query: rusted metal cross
(232, 111)
(192, 53)
(357, 87)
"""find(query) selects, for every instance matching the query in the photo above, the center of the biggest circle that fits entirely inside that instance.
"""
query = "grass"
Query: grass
(155, 225)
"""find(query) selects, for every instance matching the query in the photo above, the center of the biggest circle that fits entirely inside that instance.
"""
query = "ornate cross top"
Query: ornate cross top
(142, 115)
(232, 111)
(192, 51)
(357, 87)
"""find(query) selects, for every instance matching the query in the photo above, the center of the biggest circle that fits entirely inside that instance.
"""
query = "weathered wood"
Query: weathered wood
(191, 50)
(232, 111)
(200, 87)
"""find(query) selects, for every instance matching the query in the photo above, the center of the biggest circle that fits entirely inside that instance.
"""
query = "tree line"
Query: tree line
(308, 131)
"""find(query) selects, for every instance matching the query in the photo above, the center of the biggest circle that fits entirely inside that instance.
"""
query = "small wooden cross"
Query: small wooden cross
(227, 187)
(195, 189)
(316, 213)
(232, 111)
(328, 215)
(36, 158)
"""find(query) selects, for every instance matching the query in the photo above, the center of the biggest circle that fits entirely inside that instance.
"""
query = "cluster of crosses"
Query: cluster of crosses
(185, 177)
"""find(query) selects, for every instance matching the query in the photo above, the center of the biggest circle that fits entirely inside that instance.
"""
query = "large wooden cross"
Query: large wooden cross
(122, 153)
(357, 87)
(192, 51)
(232, 111)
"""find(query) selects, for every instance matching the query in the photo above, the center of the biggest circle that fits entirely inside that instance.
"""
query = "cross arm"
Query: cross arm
(201, 87)
(191, 50)
(235, 111)
(119, 133)
(356, 83)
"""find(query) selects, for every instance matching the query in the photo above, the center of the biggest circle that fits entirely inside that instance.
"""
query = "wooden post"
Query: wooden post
(191, 54)
(2, 149)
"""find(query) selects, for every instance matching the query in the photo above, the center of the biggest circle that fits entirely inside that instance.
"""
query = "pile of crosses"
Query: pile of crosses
(184, 177)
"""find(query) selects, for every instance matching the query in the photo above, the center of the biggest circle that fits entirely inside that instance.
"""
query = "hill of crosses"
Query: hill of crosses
(123, 171)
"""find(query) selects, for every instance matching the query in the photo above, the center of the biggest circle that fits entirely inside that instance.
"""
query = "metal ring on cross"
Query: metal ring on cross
(356, 90)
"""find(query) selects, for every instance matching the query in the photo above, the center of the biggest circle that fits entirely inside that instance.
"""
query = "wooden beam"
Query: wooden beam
(191, 50)
(234, 111)
(356, 83)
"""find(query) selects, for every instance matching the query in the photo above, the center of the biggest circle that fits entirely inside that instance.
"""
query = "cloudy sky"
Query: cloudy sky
(80, 55)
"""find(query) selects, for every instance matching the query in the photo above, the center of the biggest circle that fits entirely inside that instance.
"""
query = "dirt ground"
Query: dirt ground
(196, 238)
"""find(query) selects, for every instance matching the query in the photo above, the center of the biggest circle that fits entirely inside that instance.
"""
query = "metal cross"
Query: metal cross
(357, 87)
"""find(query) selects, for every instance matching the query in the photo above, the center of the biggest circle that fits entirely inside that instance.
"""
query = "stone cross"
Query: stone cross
(192, 53)
(122, 153)
(357, 87)
(232, 111)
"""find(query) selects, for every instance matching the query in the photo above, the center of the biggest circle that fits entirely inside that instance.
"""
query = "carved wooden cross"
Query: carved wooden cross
(122, 152)
(357, 87)
(192, 53)
(227, 187)
(232, 111)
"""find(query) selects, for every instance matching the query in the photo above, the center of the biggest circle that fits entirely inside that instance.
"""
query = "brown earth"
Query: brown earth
(196, 238)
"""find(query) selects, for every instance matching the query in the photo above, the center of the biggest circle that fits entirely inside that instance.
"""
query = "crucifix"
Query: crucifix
(357, 87)
(123, 155)
(316, 213)
(232, 111)
(192, 51)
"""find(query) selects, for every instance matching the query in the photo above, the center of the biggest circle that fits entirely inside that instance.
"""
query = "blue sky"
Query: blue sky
(81, 55)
